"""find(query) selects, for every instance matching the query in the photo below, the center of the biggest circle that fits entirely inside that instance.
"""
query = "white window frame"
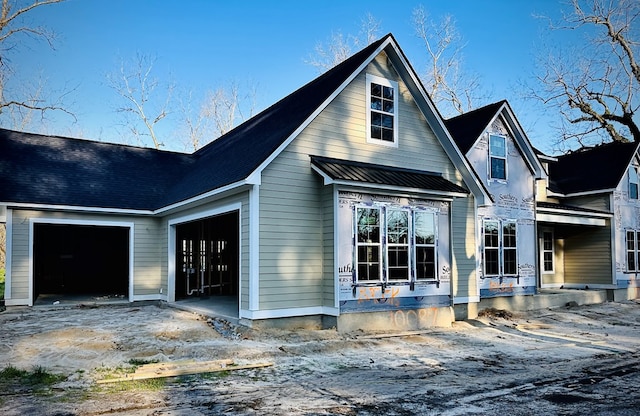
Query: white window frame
(633, 182)
(383, 244)
(548, 251)
(372, 79)
(389, 245)
(433, 245)
(492, 156)
(358, 244)
(633, 250)
(500, 248)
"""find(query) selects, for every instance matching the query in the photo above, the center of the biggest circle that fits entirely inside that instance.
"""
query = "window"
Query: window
(633, 182)
(633, 239)
(368, 247)
(497, 157)
(547, 252)
(425, 240)
(398, 244)
(395, 244)
(500, 248)
(382, 104)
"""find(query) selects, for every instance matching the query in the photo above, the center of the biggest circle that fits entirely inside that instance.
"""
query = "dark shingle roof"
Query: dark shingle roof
(466, 128)
(40, 169)
(351, 171)
(598, 168)
(237, 154)
(61, 171)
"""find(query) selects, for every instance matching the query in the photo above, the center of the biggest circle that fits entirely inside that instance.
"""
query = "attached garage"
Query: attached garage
(71, 259)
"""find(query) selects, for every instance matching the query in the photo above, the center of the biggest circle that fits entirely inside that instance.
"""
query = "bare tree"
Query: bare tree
(339, 47)
(220, 111)
(596, 86)
(15, 98)
(144, 100)
(453, 90)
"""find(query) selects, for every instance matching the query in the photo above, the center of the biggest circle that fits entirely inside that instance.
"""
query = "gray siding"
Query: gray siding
(295, 237)
(463, 232)
(146, 265)
(587, 256)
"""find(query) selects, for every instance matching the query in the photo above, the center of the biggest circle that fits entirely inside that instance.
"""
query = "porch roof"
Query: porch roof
(566, 214)
(372, 175)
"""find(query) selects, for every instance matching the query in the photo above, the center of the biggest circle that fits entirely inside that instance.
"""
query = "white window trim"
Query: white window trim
(384, 245)
(387, 83)
(634, 250)
(506, 153)
(543, 251)
(501, 249)
(636, 183)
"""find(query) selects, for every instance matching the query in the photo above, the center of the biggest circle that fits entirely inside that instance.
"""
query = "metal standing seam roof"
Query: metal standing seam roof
(344, 170)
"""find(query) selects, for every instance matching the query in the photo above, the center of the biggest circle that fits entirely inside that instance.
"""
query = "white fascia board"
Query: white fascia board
(436, 123)
(205, 195)
(318, 110)
(588, 193)
(369, 186)
(561, 211)
(46, 207)
(523, 141)
(566, 219)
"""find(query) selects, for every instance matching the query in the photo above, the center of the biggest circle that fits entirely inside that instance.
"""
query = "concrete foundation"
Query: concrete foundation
(399, 320)
(545, 299)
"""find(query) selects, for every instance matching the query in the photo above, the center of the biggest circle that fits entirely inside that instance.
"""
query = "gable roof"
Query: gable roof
(467, 128)
(600, 168)
(95, 175)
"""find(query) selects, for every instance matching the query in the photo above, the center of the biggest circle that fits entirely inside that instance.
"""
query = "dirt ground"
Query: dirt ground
(573, 360)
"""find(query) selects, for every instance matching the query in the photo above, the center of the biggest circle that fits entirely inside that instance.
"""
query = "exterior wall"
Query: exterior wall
(293, 204)
(329, 201)
(600, 202)
(463, 240)
(626, 217)
(371, 297)
(555, 278)
(514, 199)
(587, 256)
(147, 278)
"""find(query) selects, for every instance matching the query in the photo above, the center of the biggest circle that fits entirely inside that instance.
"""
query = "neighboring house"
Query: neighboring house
(346, 203)
(504, 161)
(589, 218)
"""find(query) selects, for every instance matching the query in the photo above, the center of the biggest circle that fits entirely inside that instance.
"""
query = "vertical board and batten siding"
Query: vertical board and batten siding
(463, 240)
(146, 267)
(243, 199)
(587, 256)
(292, 240)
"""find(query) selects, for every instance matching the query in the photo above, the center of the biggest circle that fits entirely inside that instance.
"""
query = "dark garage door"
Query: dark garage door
(81, 259)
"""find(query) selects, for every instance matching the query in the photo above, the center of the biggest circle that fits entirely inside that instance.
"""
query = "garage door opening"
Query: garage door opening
(81, 260)
(207, 261)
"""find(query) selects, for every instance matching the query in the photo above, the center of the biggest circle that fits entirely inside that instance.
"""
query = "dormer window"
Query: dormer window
(497, 157)
(382, 111)
(633, 182)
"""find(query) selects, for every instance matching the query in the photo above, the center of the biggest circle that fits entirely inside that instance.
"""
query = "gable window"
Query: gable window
(382, 111)
(394, 244)
(633, 182)
(547, 252)
(633, 240)
(497, 157)
(500, 251)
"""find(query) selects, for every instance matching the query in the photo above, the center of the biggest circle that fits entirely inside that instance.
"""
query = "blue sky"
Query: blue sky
(201, 45)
